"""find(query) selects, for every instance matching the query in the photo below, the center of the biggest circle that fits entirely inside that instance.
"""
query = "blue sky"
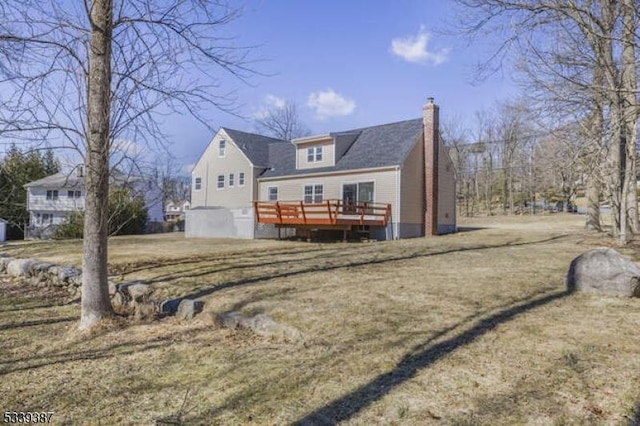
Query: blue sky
(348, 64)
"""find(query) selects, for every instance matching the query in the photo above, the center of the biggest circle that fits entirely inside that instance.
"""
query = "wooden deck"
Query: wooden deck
(330, 214)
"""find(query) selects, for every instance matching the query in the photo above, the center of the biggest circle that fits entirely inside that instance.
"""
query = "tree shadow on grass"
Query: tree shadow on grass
(36, 323)
(635, 416)
(351, 264)
(347, 406)
(60, 357)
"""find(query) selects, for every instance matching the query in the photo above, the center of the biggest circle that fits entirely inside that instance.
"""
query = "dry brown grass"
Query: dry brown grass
(473, 328)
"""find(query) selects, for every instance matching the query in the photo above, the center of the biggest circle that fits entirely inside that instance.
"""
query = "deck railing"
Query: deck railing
(328, 212)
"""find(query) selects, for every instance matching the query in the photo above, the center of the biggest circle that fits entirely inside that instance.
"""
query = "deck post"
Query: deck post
(304, 215)
(278, 211)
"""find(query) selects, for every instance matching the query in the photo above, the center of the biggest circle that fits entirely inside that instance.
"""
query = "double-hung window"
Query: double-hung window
(231, 179)
(241, 178)
(222, 147)
(313, 193)
(198, 184)
(314, 154)
(52, 194)
(220, 181)
(273, 193)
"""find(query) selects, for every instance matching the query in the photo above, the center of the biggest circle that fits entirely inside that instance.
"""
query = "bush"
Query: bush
(71, 228)
(127, 216)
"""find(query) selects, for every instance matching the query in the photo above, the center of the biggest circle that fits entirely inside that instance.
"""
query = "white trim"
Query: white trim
(313, 191)
(337, 172)
(309, 139)
(358, 182)
(244, 179)
(395, 220)
(269, 188)
(222, 148)
(218, 182)
(195, 183)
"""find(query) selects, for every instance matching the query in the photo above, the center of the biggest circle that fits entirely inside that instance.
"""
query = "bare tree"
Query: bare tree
(84, 74)
(454, 136)
(282, 122)
(587, 68)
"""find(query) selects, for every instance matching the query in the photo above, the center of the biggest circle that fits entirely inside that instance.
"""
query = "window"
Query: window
(273, 193)
(70, 194)
(314, 154)
(313, 193)
(354, 193)
(47, 219)
(198, 185)
(222, 146)
(52, 194)
(231, 179)
(78, 194)
(241, 178)
(220, 181)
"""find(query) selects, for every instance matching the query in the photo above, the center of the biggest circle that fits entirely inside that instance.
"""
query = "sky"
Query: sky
(348, 64)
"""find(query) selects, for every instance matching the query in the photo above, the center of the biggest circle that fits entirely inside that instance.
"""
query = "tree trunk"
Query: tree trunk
(630, 111)
(95, 292)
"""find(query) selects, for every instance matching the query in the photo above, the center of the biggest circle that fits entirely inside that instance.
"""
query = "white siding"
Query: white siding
(328, 156)
(37, 200)
(211, 165)
(292, 189)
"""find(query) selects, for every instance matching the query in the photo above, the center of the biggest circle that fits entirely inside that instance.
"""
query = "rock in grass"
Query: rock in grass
(188, 308)
(136, 290)
(4, 262)
(260, 324)
(20, 267)
(604, 271)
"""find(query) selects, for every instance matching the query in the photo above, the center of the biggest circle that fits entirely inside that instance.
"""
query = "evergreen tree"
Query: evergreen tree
(17, 169)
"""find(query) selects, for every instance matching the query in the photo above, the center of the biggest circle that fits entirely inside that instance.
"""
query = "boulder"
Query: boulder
(40, 268)
(20, 267)
(604, 271)
(188, 308)
(66, 273)
(4, 262)
(136, 290)
(260, 324)
(113, 288)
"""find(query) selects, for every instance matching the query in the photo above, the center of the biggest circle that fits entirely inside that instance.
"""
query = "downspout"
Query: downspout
(396, 223)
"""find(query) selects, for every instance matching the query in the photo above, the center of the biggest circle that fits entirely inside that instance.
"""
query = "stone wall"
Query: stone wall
(43, 274)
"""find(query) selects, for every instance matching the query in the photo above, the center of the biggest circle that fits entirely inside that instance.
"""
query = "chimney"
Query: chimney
(80, 171)
(430, 118)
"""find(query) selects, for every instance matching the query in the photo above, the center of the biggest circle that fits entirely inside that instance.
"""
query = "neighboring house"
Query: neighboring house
(3, 230)
(246, 185)
(175, 210)
(52, 199)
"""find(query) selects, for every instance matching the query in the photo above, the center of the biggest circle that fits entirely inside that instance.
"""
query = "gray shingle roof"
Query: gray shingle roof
(376, 146)
(255, 147)
(72, 180)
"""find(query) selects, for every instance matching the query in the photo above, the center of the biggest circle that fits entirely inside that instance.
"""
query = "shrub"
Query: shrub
(127, 216)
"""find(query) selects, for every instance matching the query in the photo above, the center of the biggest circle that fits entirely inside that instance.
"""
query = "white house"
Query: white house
(390, 181)
(175, 210)
(52, 199)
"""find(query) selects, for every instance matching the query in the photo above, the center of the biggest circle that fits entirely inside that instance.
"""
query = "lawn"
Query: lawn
(471, 328)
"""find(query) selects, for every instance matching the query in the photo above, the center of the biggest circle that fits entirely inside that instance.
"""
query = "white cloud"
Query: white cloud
(414, 49)
(270, 102)
(330, 104)
(275, 101)
(187, 168)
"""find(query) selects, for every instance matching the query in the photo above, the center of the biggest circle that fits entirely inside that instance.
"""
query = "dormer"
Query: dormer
(322, 150)
(314, 152)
